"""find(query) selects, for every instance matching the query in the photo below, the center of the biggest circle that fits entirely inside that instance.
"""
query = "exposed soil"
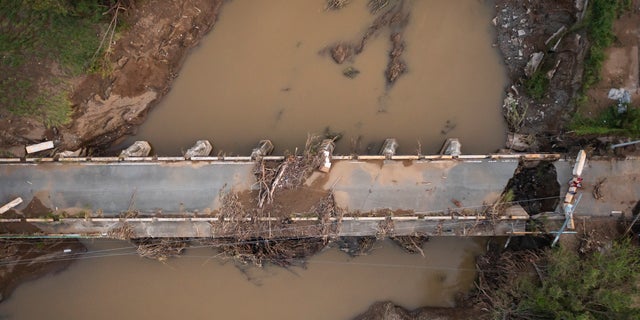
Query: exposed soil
(535, 187)
(36, 209)
(620, 70)
(411, 244)
(356, 246)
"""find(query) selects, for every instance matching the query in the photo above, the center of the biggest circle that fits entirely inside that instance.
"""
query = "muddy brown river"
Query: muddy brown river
(260, 74)
(198, 285)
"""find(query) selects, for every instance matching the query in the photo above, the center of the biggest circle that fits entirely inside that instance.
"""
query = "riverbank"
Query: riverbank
(107, 101)
(563, 57)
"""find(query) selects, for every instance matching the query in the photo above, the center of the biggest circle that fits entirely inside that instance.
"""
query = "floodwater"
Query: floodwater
(259, 74)
(120, 285)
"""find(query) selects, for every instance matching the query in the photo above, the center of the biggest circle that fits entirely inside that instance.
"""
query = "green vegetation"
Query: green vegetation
(599, 285)
(609, 122)
(38, 37)
(62, 30)
(24, 100)
(599, 24)
(537, 85)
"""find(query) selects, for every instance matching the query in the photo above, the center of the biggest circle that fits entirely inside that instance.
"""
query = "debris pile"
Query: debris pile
(122, 231)
(160, 249)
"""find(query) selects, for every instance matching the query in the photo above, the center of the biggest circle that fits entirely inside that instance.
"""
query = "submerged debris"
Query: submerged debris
(350, 72)
(258, 251)
(356, 246)
(377, 5)
(411, 244)
(160, 249)
(396, 66)
(336, 4)
(395, 19)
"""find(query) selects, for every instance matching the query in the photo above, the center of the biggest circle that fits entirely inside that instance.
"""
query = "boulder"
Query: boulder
(202, 148)
(137, 149)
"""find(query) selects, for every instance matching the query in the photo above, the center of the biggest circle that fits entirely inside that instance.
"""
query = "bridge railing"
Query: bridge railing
(518, 156)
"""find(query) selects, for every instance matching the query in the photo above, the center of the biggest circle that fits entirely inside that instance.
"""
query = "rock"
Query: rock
(533, 64)
(325, 153)
(519, 142)
(552, 72)
(202, 148)
(70, 154)
(389, 148)
(122, 61)
(451, 147)
(137, 149)
(622, 95)
(516, 211)
(264, 148)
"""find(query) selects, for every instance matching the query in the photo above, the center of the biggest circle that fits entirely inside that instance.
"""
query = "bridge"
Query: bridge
(209, 197)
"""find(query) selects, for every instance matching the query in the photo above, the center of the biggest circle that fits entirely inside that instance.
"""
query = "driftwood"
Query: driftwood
(411, 244)
(123, 231)
(160, 249)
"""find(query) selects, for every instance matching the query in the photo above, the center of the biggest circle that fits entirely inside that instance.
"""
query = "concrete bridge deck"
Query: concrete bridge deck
(178, 198)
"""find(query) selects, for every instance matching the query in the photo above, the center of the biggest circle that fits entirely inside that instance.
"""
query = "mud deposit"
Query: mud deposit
(334, 286)
(266, 71)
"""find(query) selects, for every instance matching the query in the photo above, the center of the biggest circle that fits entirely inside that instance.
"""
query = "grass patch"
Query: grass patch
(45, 32)
(609, 122)
(598, 22)
(23, 99)
(62, 30)
(537, 85)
